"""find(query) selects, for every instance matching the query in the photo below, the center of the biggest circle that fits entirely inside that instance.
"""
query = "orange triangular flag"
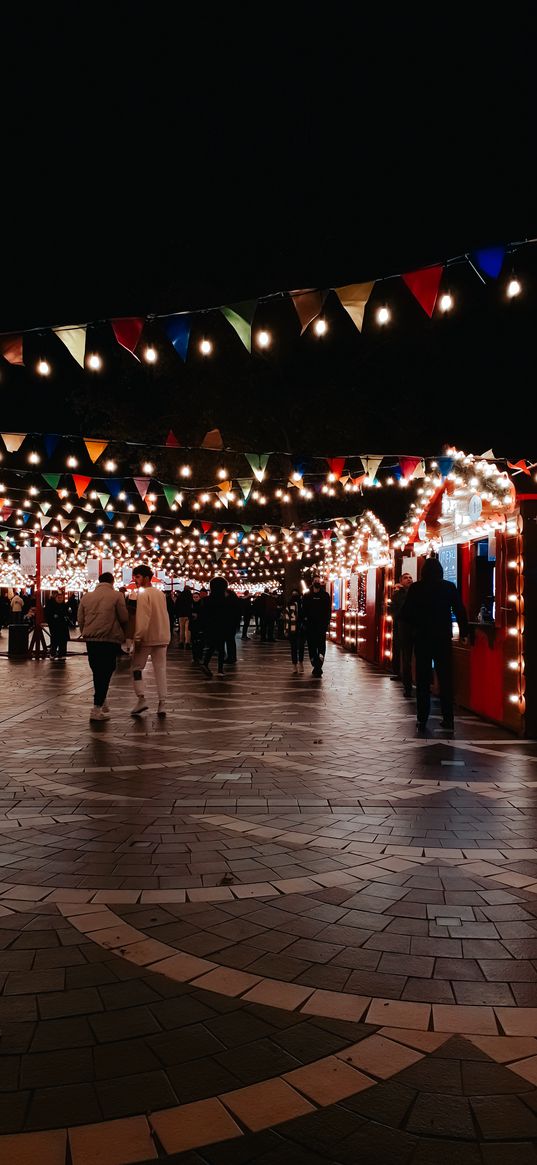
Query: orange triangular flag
(95, 448)
(212, 440)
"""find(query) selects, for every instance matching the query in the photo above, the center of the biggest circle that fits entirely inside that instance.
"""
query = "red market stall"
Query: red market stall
(358, 564)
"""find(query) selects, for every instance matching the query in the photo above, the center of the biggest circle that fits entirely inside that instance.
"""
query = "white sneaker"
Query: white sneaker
(99, 714)
(140, 706)
(161, 710)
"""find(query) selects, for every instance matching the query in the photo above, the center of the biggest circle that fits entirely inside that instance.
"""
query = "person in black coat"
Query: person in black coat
(316, 610)
(427, 610)
(246, 610)
(215, 624)
(57, 616)
(195, 626)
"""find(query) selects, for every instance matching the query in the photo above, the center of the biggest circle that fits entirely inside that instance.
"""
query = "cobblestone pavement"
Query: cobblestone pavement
(273, 927)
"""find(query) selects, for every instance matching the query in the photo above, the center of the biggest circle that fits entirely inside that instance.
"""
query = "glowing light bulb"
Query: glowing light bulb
(383, 315)
(222, 474)
(150, 355)
(147, 467)
(206, 347)
(34, 458)
(72, 462)
(446, 302)
(110, 466)
(94, 361)
(185, 471)
(513, 288)
(264, 339)
(43, 368)
(320, 327)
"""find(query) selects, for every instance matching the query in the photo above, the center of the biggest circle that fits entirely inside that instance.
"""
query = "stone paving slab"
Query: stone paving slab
(273, 927)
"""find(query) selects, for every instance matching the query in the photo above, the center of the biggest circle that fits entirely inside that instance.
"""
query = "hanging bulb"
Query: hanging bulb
(110, 466)
(513, 288)
(43, 368)
(94, 361)
(383, 315)
(206, 347)
(150, 355)
(147, 467)
(320, 327)
(185, 471)
(264, 339)
(446, 302)
(72, 462)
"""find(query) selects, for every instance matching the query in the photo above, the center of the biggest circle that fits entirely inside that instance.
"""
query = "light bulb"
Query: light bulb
(513, 288)
(147, 467)
(206, 347)
(43, 368)
(94, 361)
(34, 458)
(383, 315)
(185, 471)
(72, 462)
(150, 355)
(222, 474)
(264, 339)
(446, 302)
(320, 327)
(110, 466)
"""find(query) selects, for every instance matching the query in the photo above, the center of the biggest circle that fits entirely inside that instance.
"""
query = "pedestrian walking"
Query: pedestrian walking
(428, 611)
(246, 610)
(215, 624)
(151, 638)
(233, 621)
(316, 607)
(103, 620)
(17, 606)
(183, 607)
(57, 615)
(195, 627)
(269, 611)
(402, 636)
(294, 627)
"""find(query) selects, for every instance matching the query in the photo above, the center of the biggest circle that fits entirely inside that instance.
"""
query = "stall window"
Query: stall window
(482, 605)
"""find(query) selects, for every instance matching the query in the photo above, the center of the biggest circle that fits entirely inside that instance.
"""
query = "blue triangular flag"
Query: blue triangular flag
(445, 465)
(114, 486)
(177, 329)
(50, 441)
(489, 260)
(110, 514)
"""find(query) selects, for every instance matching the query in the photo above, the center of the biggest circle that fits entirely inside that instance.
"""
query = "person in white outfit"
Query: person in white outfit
(151, 638)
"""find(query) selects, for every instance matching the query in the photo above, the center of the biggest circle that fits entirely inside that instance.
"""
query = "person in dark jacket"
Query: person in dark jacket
(246, 611)
(294, 626)
(402, 636)
(215, 624)
(427, 610)
(57, 617)
(269, 611)
(257, 611)
(183, 607)
(317, 609)
(232, 625)
(195, 626)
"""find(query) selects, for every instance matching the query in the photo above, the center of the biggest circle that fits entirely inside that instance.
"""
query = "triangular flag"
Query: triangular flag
(104, 499)
(52, 479)
(186, 521)
(488, 456)
(81, 483)
(232, 553)
(445, 465)
(171, 441)
(115, 486)
(109, 514)
(170, 493)
(246, 484)
(64, 522)
(408, 465)
(370, 464)
(128, 332)
(419, 470)
(520, 465)
(225, 486)
(5, 512)
(44, 521)
(95, 448)
(13, 441)
(26, 518)
(337, 465)
(247, 529)
(81, 524)
(50, 441)
(177, 329)
(354, 298)
(218, 554)
(45, 507)
(307, 306)
(489, 260)
(298, 483)
(220, 536)
(258, 463)
(206, 526)
(224, 499)
(212, 440)
(11, 349)
(75, 342)
(142, 485)
(143, 519)
(424, 286)
(240, 316)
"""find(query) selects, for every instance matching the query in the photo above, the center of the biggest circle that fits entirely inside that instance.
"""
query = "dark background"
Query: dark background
(154, 160)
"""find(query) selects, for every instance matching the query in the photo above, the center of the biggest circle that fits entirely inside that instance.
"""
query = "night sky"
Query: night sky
(155, 161)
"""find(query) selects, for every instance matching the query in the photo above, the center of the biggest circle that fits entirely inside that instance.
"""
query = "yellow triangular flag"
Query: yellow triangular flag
(13, 441)
(95, 448)
(186, 521)
(75, 342)
(354, 298)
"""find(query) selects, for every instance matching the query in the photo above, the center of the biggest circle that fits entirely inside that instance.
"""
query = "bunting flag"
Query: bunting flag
(354, 298)
(50, 441)
(104, 499)
(143, 519)
(5, 512)
(43, 520)
(75, 342)
(171, 441)
(81, 483)
(424, 286)
(224, 499)
(52, 479)
(246, 484)
(225, 486)
(142, 485)
(370, 464)
(64, 522)
(409, 466)
(445, 465)
(298, 483)
(218, 554)
(13, 441)
(220, 536)
(45, 507)
(186, 521)
(308, 304)
(258, 463)
(520, 466)
(206, 526)
(81, 524)
(247, 529)
(170, 493)
(337, 465)
(11, 349)
(232, 553)
(240, 316)
(419, 470)
(489, 260)
(178, 330)
(128, 332)
(488, 456)
(95, 448)
(212, 440)
(115, 486)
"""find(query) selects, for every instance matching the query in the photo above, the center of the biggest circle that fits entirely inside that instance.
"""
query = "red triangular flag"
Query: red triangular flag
(128, 332)
(171, 441)
(308, 304)
(424, 286)
(81, 483)
(337, 465)
(206, 526)
(408, 465)
(519, 465)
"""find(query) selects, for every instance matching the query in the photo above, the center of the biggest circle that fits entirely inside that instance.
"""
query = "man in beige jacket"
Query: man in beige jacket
(151, 638)
(102, 619)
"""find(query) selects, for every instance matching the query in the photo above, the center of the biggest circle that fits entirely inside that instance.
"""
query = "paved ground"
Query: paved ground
(274, 927)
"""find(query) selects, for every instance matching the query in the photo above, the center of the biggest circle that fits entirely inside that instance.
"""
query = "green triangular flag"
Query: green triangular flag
(104, 499)
(45, 507)
(170, 493)
(240, 316)
(246, 484)
(258, 463)
(247, 529)
(52, 479)
(81, 524)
